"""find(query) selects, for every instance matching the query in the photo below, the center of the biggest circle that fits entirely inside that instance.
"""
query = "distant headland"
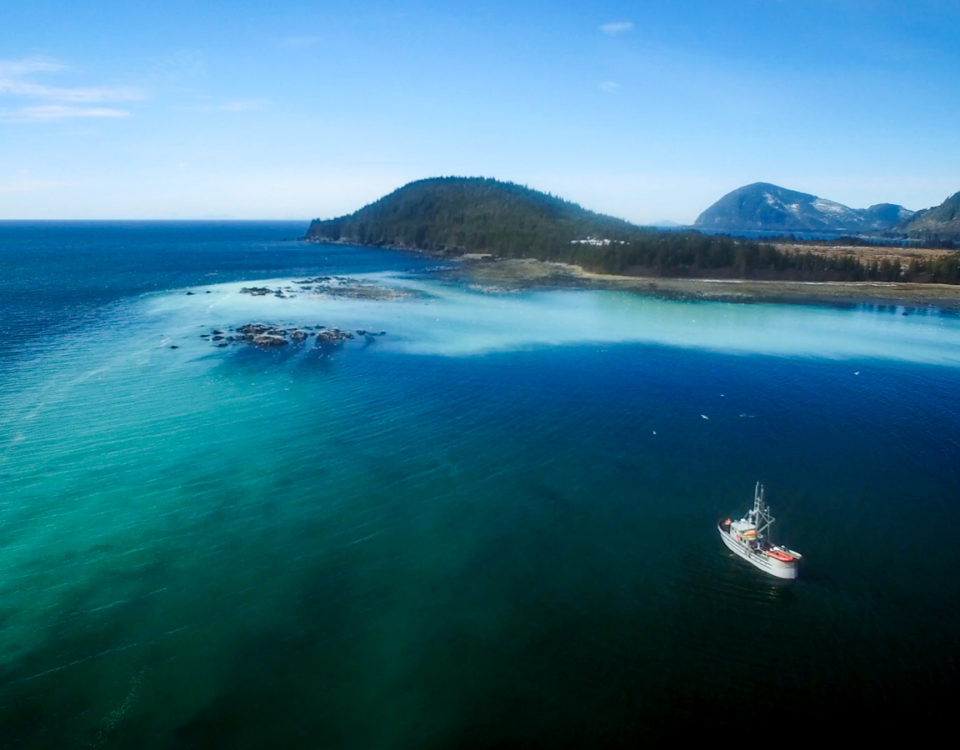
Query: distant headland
(491, 221)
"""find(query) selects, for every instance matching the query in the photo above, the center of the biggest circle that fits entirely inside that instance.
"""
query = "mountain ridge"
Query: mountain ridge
(768, 207)
(938, 222)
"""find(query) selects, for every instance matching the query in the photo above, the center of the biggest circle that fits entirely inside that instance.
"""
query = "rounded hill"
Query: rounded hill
(471, 214)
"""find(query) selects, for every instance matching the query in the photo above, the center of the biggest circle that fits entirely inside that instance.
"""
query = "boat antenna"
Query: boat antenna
(761, 513)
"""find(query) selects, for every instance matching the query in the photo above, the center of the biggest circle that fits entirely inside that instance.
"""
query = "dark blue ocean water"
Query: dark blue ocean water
(492, 527)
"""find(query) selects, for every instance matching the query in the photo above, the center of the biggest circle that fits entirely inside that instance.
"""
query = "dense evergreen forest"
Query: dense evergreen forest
(938, 223)
(455, 215)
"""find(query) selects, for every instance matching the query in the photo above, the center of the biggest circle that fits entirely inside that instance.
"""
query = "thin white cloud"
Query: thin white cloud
(17, 68)
(609, 87)
(48, 112)
(617, 27)
(76, 95)
(56, 102)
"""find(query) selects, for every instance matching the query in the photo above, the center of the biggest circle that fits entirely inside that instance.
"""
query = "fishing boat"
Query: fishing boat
(750, 539)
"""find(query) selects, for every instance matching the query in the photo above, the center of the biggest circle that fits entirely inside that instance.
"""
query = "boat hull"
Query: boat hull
(759, 559)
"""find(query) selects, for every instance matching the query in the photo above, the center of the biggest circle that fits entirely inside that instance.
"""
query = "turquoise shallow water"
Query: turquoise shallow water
(492, 526)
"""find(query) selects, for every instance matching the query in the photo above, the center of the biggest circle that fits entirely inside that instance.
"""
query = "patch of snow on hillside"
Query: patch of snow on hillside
(830, 207)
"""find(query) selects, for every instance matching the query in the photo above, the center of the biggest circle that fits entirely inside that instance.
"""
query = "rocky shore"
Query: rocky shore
(268, 336)
(331, 286)
(325, 339)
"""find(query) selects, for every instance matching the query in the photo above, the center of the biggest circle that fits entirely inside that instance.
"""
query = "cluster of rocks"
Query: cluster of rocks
(263, 335)
(332, 286)
(262, 291)
(266, 336)
(343, 286)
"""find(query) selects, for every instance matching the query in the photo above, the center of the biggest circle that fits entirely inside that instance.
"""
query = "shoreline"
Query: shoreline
(521, 274)
(517, 274)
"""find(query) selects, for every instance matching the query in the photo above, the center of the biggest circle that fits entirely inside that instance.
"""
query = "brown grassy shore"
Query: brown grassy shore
(494, 274)
(865, 253)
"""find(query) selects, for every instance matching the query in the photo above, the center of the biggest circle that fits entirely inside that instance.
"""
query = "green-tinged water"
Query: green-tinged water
(493, 526)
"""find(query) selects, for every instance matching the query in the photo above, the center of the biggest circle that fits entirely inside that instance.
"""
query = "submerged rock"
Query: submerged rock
(268, 340)
(332, 337)
(262, 334)
(252, 329)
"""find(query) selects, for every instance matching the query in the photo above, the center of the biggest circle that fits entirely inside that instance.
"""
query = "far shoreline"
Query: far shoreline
(529, 273)
(515, 274)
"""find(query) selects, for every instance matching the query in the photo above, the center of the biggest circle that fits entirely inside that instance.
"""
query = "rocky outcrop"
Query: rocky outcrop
(332, 286)
(269, 336)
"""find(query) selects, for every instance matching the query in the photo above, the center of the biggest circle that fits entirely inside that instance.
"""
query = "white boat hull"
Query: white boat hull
(758, 558)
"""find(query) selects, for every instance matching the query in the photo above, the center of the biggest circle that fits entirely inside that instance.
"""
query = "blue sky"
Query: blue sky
(644, 110)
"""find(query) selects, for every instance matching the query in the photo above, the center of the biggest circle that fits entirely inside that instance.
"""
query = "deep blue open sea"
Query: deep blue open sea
(493, 526)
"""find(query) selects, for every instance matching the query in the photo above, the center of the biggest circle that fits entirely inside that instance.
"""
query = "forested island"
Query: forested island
(456, 216)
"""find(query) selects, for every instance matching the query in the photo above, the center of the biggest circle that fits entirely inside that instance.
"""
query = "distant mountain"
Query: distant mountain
(665, 224)
(762, 206)
(942, 221)
(885, 215)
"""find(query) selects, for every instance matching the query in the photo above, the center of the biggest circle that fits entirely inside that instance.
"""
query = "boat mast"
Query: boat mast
(761, 513)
